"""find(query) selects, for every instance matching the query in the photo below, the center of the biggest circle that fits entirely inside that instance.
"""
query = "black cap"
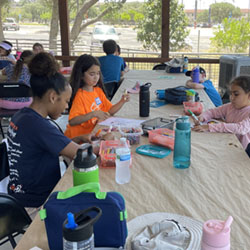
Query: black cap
(202, 71)
(85, 159)
(85, 223)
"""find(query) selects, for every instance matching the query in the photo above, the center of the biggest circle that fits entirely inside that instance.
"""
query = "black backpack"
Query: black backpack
(178, 95)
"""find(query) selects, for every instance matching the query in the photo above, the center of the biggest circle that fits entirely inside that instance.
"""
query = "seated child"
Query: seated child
(112, 67)
(18, 73)
(37, 48)
(34, 143)
(5, 53)
(236, 114)
(90, 103)
(118, 53)
(207, 85)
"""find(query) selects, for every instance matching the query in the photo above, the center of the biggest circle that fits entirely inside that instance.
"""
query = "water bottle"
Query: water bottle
(190, 95)
(185, 64)
(122, 163)
(216, 234)
(78, 229)
(196, 74)
(182, 143)
(85, 168)
(144, 99)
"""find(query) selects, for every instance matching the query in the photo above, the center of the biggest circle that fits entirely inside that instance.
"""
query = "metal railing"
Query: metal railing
(135, 59)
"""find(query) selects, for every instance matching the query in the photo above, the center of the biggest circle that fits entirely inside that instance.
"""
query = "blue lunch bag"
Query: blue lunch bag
(109, 231)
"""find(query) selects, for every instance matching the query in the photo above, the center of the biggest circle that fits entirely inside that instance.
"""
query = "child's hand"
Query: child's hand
(86, 138)
(101, 115)
(125, 98)
(199, 121)
(108, 136)
(201, 128)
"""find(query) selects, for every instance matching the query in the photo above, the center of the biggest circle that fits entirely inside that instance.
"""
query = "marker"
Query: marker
(110, 129)
(98, 132)
(194, 116)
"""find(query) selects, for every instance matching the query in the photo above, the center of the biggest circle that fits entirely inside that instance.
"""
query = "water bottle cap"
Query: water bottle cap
(123, 140)
(85, 223)
(145, 86)
(183, 123)
(190, 92)
(216, 233)
(85, 159)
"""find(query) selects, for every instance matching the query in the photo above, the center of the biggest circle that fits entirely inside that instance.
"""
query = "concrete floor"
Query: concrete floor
(7, 245)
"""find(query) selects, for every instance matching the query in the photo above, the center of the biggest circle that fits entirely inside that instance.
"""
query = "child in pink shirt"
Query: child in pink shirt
(235, 115)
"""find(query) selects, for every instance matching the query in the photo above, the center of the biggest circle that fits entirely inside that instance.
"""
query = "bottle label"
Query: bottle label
(125, 157)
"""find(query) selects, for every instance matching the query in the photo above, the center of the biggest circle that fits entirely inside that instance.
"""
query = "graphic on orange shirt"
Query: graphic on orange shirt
(84, 103)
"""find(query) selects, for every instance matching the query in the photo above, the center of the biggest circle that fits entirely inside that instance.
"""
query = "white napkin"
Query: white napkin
(167, 234)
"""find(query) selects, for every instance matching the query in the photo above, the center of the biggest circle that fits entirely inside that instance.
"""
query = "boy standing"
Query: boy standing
(207, 85)
(112, 67)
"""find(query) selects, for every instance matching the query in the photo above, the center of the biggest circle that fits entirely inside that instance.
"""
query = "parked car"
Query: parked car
(103, 32)
(10, 23)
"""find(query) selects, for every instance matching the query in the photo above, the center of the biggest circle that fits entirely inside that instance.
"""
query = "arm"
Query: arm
(216, 113)
(194, 85)
(83, 118)
(70, 150)
(115, 108)
(240, 128)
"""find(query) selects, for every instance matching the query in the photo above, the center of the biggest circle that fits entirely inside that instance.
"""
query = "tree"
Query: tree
(149, 29)
(234, 37)
(3, 3)
(203, 17)
(220, 11)
(78, 25)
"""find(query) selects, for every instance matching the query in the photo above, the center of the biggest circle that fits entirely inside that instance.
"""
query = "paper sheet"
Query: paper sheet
(117, 121)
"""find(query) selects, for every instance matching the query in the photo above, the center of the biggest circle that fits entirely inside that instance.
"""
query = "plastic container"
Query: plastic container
(108, 152)
(122, 163)
(182, 143)
(195, 107)
(162, 136)
(154, 151)
(155, 123)
(132, 134)
(78, 229)
(216, 234)
(196, 74)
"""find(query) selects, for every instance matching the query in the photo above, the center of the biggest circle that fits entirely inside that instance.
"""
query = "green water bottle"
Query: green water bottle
(85, 169)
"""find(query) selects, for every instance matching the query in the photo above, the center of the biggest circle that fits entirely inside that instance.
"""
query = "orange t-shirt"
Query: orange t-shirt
(83, 103)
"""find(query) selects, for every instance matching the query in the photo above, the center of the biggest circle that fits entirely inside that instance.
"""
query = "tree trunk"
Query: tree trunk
(1, 24)
(54, 27)
(76, 29)
(78, 26)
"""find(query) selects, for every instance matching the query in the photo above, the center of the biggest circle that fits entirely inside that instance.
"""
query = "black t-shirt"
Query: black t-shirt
(34, 147)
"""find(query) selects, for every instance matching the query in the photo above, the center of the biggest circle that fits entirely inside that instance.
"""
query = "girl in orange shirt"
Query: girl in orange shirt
(90, 103)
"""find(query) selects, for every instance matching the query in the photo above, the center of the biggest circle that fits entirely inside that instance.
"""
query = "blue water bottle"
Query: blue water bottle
(196, 74)
(185, 64)
(182, 143)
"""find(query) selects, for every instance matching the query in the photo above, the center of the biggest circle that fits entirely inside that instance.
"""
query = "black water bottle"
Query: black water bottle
(144, 99)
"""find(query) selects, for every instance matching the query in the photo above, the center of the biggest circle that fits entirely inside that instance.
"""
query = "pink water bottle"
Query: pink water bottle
(216, 234)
